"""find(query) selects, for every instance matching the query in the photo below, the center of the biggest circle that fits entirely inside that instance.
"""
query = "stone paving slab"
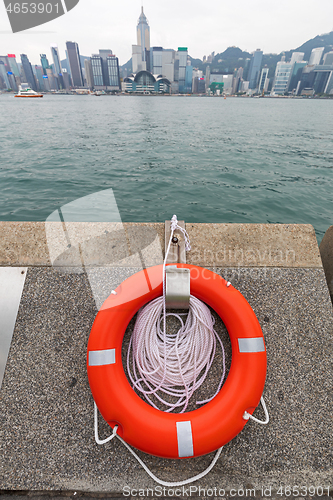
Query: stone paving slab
(77, 244)
(46, 409)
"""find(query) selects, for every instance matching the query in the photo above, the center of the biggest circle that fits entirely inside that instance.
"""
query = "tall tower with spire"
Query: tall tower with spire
(141, 51)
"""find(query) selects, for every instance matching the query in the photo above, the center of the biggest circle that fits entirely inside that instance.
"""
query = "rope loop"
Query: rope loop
(247, 416)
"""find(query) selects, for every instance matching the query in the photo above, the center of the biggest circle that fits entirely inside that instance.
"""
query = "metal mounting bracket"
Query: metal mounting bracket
(177, 253)
(177, 288)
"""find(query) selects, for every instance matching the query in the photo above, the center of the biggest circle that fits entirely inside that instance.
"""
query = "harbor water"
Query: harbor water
(216, 160)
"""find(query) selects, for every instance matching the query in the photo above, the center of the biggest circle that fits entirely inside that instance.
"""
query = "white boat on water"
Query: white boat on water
(26, 91)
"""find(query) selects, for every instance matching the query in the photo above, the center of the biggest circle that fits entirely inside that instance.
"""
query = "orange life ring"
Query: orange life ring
(176, 435)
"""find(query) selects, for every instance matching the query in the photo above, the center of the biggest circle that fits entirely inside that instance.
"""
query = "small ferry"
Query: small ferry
(26, 91)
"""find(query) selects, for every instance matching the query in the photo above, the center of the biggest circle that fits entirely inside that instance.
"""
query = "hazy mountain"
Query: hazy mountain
(234, 57)
(325, 40)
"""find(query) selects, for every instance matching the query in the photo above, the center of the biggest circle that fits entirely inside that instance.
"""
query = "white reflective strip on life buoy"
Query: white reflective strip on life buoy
(185, 439)
(255, 344)
(99, 358)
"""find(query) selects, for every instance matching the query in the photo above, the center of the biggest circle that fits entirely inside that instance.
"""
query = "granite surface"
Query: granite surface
(83, 244)
(46, 409)
(326, 253)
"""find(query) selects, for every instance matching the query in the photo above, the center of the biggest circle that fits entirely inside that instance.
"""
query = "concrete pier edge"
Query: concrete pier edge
(46, 437)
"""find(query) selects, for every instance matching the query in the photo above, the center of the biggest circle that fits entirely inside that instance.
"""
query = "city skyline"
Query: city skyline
(188, 24)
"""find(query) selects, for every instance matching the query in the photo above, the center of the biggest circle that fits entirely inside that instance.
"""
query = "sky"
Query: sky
(203, 27)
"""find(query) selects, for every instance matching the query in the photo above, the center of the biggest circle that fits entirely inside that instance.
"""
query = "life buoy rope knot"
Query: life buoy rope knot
(174, 435)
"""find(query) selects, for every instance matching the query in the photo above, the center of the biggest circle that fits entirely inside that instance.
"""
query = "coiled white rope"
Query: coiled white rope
(173, 364)
(166, 364)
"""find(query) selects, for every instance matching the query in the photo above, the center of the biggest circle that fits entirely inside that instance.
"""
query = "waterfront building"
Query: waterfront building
(254, 69)
(245, 86)
(52, 82)
(97, 71)
(328, 59)
(237, 82)
(3, 77)
(247, 63)
(282, 77)
(145, 82)
(168, 64)
(216, 88)
(105, 71)
(228, 80)
(295, 76)
(188, 79)
(323, 82)
(180, 68)
(57, 65)
(14, 69)
(216, 76)
(67, 79)
(316, 55)
(10, 77)
(296, 57)
(44, 62)
(67, 65)
(13, 65)
(5, 61)
(39, 77)
(141, 51)
(156, 60)
(73, 55)
(307, 79)
(264, 80)
(113, 73)
(316, 80)
(28, 72)
(197, 74)
(207, 77)
(47, 86)
(89, 73)
(199, 85)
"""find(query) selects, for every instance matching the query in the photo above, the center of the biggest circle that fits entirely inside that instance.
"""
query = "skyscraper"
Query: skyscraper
(13, 65)
(89, 73)
(28, 71)
(237, 83)
(57, 65)
(141, 51)
(315, 56)
(75, 63)
(97, 71)
(181, 56)
(39, 76)
(254, 70)
(168, 64)
(263, 82)
(10, 77)
(113, 72)
(296, 57)
(52, 82)
(44, 62)
(104, 71)
(4, 82)
(282, 77)
(328, 58)
(156, 55)
(296, 75)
